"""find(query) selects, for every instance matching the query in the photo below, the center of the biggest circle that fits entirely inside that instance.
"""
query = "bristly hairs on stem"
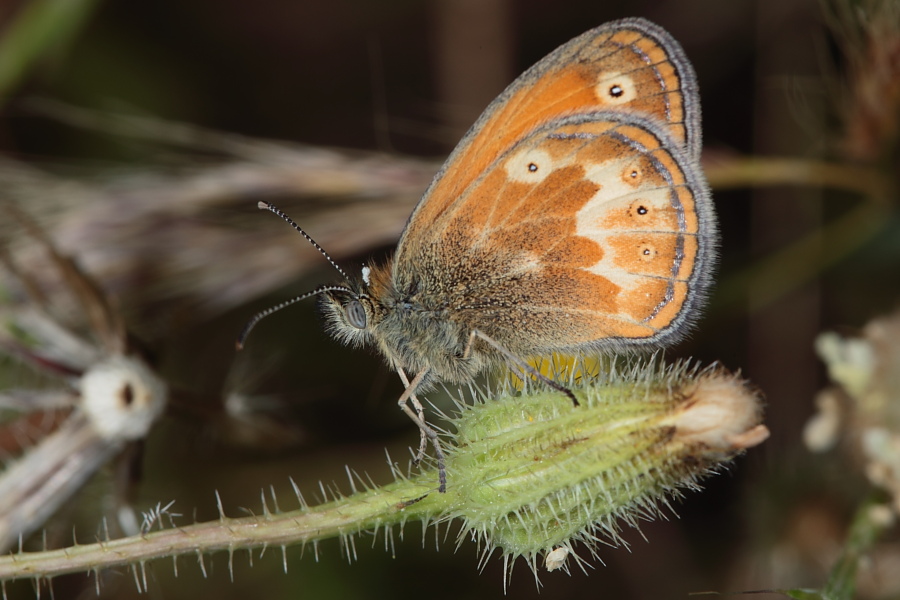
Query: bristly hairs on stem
(529, 476)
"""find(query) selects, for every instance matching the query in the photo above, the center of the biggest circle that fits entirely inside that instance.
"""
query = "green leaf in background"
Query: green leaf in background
(40, 28)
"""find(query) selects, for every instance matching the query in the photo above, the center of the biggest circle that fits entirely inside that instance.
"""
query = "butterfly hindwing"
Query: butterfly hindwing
(593, 230)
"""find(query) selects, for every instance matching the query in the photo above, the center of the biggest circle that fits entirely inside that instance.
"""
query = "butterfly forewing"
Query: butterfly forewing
(631, 66)
(591, 231)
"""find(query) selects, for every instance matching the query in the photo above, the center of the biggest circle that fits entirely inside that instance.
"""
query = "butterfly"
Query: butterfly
(573, 217)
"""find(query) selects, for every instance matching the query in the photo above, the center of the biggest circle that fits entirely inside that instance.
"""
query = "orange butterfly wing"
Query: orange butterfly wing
(573, 214)
(649, 66)
(590, 232)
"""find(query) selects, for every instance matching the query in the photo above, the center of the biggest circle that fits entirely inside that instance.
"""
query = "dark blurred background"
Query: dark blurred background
(404, 78)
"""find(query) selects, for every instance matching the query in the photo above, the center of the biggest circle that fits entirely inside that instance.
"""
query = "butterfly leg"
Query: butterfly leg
(523, 365)
(417, 414)
(420, 412)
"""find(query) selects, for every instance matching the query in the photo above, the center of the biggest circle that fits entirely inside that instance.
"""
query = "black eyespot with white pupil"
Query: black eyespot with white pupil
(647, 252)
(616, 90)
(642, 210)
(355, 314)
(532, 168)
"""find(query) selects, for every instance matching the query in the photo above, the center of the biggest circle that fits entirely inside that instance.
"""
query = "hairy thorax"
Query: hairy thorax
(414, 327)
(414, 337)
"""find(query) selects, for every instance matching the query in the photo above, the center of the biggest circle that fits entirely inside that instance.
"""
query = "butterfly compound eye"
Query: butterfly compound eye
(356, 314)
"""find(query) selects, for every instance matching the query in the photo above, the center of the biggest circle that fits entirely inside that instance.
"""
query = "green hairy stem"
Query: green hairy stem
(528, 474)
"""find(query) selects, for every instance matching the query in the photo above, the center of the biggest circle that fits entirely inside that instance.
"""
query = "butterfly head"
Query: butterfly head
(351, 312)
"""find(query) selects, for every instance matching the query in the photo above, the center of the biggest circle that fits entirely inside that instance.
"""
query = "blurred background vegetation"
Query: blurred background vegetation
(141, 135)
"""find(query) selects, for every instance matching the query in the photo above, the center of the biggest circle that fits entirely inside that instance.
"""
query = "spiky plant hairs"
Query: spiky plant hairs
(529, 475)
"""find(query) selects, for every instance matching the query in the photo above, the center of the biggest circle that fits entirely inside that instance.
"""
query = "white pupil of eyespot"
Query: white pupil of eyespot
(356, 314)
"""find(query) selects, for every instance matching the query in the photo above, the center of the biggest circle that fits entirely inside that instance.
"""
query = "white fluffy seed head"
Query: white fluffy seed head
(122, 398)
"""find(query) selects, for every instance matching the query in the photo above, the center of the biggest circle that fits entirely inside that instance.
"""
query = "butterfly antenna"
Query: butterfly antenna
(272, 208)
(245, 332)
